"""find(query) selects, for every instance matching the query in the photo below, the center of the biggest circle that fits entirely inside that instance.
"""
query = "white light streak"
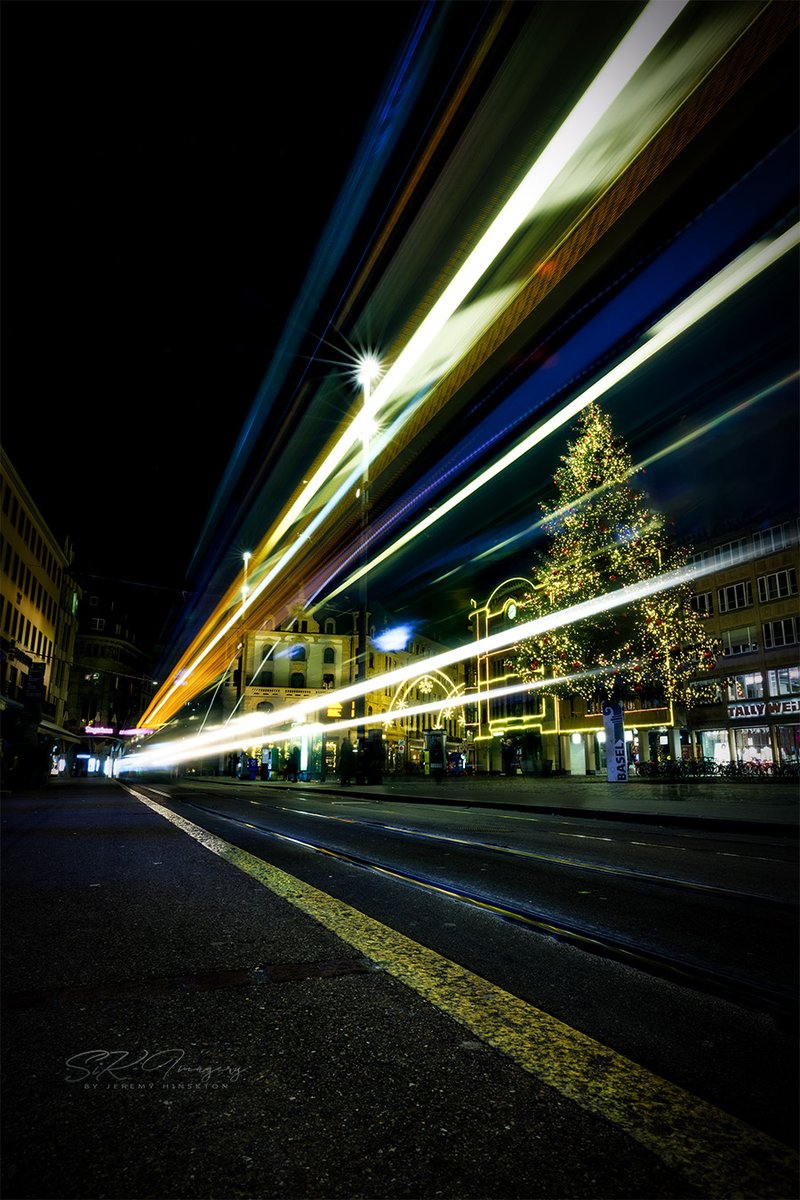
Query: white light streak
(700, 304)
(505, 638)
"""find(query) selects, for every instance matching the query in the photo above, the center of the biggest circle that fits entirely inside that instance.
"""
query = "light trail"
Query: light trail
(633, 50)
(240, 734)
(692, 436)
(700, 304)
(505, 638)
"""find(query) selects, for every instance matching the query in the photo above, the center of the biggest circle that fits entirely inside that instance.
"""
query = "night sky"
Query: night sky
(168, 171)
(173, 175)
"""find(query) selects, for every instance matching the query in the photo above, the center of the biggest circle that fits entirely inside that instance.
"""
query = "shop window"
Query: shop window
(753, 745)
(714, 745)
(746, 687)
(735, 595)
(739, 641)
(703, 602)
(784, 682)
(780, 633)
(777, 585)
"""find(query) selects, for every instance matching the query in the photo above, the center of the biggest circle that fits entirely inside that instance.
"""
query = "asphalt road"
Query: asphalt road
(272, 1019)
(599, 924)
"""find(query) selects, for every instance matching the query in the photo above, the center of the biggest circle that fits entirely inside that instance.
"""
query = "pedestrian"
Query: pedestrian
(293, 765)
(346, 762)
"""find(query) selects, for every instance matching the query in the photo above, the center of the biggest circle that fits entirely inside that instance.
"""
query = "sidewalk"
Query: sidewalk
(173, 1029)
(747, 806)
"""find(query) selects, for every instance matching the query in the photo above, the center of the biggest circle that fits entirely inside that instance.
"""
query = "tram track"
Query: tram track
(773, 999)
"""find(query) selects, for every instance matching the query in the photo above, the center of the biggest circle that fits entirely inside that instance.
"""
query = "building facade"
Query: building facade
(111, 681)
(751, 603)
(39, 600)
(306, 658)
(748, 708)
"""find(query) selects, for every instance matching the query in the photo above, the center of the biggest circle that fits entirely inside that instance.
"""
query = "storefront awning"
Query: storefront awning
(58, 731)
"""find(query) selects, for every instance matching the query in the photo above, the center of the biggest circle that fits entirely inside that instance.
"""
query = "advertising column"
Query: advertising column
(616, 757)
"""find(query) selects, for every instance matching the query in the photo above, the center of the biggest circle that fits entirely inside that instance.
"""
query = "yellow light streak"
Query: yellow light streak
(631, 53)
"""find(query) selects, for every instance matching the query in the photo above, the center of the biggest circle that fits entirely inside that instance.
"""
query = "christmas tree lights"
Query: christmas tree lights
(605, 535)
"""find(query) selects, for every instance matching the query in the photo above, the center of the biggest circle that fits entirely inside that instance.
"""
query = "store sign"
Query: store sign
(763, 708)
(616, 756)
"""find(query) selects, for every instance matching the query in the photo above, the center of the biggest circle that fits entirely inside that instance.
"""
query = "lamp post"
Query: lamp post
(369, 370)
(239, 678)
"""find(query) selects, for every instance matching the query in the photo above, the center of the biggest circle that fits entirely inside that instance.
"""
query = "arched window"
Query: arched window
(297, 680)
(297, 654)
(329, 655)
(264, 706)
(330, 625)
(328, 682)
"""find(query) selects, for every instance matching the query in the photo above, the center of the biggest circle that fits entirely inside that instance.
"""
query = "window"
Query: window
(93, 601)
(746, 687)
(695, 560)
(740, 641)
(329, 655)
(730, 552)
(703, 602)
(780, 633)
(265, 680)
(97, 623)
(780, 583)
(767, 541)
(297, 680)
(328, 682)
(735, 595)
(330, 625)
(784, 682)
(297, 654)
(264, 706)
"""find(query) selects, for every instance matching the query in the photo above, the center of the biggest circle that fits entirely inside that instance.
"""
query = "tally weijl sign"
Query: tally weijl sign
(763, 708)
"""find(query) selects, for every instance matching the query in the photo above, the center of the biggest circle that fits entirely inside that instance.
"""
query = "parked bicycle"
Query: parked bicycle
(706, 768)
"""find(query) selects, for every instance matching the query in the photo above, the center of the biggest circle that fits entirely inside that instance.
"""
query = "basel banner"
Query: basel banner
(616, 757)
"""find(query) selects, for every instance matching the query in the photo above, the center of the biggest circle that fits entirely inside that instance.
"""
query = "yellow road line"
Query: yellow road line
(717, 1153)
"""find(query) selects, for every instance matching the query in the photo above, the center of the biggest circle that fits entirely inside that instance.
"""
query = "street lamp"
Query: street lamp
(246, 559)
(369, 370)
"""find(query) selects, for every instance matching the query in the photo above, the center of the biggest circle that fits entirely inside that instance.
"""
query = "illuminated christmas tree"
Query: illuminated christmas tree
(604, 535)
